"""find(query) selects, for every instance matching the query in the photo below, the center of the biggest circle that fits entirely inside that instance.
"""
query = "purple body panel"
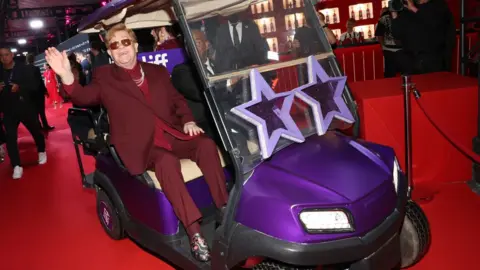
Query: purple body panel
(150, 206)
(324, 172)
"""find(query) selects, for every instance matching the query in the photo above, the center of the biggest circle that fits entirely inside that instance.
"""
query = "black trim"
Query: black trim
(332, 252)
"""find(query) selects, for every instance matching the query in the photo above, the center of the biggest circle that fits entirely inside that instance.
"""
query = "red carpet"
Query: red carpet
(48, 221)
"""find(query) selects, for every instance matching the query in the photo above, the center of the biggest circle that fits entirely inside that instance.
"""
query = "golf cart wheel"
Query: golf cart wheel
(272, 265)
(108, 216)
(415, 235)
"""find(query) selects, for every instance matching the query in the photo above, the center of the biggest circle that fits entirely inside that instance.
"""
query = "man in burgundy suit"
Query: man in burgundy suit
(151, 125)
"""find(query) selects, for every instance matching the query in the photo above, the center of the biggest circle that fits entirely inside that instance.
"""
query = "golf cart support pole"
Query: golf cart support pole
(408, 87)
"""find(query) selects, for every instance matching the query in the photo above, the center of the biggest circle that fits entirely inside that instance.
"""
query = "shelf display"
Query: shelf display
(294, 21)
(337, 33)
(361, 11)
(332, 15)
(273, 44)
(289, 4)
(368, 31)
(266, 25)
(262, 7)
(385, 3)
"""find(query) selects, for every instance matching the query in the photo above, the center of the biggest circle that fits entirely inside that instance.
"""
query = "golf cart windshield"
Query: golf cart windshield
(271, 74)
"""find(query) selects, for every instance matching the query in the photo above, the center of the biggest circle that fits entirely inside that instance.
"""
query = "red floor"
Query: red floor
(48, 221)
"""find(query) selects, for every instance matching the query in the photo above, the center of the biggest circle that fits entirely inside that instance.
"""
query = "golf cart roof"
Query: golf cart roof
(154, 13)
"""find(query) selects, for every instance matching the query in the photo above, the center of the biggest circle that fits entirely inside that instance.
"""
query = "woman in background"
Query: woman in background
(52, 87)
(164, 38)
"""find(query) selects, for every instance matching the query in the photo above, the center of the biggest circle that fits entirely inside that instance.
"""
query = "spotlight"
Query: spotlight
(36, 24)
(13, 50)
(22, 41)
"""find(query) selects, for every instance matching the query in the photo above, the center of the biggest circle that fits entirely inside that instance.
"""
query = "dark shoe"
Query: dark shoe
(3, 153)
(199, 248)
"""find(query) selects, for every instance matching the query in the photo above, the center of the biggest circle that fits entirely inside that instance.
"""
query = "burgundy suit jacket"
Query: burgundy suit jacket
(132, 117)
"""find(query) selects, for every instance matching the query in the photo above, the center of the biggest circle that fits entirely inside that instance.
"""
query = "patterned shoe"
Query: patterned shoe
(199, 248)
(2, 153)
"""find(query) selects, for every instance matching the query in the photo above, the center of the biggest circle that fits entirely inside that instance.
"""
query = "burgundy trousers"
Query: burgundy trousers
(202, 151)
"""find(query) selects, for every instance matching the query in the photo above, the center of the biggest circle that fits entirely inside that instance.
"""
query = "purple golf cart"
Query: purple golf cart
(302, 194)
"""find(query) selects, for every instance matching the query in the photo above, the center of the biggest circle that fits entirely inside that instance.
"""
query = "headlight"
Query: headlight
(395, 174)
(326, 221)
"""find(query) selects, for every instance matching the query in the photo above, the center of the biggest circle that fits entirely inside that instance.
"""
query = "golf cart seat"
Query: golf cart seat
(190, 171)
(85, 125)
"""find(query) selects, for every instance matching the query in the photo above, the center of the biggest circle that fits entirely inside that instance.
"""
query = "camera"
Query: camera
(398, 5)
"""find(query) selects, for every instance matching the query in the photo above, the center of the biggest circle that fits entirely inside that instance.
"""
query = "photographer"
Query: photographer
(423, 29)
(390, 46)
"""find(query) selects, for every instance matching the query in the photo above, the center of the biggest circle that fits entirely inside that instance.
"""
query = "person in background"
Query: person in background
(52, 87)
(187, 81)
(39, 95)
(239, 44)
(17, 83)
(351, 37)
(306, 40)
(164, 38)
(390, 46)
(425, 29)
(86, 66)
(99, 56)
(332, 39)
(3, 139)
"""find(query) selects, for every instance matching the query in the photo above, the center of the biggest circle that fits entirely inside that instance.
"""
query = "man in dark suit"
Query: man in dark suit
(17, 89)
(99, 56)
(187, 81)
(148, 136)
(239, 44)
(230, 93)
(38, 96)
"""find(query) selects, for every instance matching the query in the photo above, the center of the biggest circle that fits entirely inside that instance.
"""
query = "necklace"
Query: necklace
(140, 81)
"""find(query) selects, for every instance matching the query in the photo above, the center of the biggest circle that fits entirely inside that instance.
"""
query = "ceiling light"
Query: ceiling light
(13, 50)
(36, 24)
(25, 53)
(22, 41)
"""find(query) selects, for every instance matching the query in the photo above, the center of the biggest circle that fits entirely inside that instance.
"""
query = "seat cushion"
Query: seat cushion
(190, 171)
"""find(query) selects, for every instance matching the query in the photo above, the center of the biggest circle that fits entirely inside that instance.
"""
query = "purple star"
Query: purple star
(272, 121)
(324, 97)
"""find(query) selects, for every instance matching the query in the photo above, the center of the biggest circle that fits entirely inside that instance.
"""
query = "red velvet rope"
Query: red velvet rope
(469, 153)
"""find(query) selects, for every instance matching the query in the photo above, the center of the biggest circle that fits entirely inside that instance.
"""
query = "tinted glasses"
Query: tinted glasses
(115, 45)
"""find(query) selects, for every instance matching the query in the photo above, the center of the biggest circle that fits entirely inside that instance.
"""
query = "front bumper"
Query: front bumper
(378, 249)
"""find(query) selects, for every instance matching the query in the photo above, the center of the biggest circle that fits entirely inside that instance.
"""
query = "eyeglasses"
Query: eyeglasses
(116, 45)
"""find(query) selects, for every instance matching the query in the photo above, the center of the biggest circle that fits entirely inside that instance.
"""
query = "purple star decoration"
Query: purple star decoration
(324, 96)
(272, 122)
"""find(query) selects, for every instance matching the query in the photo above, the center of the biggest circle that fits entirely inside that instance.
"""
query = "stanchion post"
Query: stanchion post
(475, 182)
(407, 88)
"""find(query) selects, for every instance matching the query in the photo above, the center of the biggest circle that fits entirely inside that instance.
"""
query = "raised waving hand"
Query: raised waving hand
(60, 64)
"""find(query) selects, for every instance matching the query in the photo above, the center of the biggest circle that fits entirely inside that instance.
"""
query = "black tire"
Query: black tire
(108, 215)
(415, 235)
(272, 265)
